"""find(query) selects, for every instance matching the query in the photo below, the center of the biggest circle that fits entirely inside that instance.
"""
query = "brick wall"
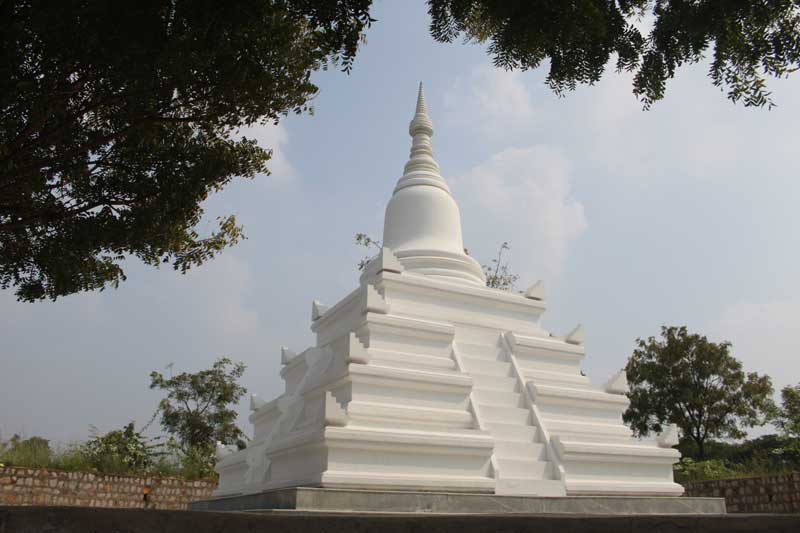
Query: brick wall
(29, 486)
(765, 494)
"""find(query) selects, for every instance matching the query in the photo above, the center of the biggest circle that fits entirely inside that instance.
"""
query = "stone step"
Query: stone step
(512, 432)
(523, 469)
(530, 487)
(478, 351)
(411, 360)
(485, 367)
(560, 377)
(495, 397)
(391, 415)
(504, 413)
(587, 430)
(519, 450)
(496, 383)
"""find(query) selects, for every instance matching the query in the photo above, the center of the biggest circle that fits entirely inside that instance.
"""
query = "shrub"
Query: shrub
(34, 452)
(198, 463)
(690, 470)
(120, 451)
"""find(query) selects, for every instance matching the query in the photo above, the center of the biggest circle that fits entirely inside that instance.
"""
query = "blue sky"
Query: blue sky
(685, 214)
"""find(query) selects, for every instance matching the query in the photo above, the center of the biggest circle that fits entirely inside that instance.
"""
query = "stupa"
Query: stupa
(424, 379)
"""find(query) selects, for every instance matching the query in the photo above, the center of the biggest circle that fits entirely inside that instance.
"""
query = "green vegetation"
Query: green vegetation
(110, 141)
(33, 452)
(687, 380)
(498, 273)
(362, 239)
(747, 42)
(91, 456)
(196, 414)
(768, 454)
(788, 419)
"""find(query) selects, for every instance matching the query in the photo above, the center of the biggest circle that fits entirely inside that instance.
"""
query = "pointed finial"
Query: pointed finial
(421, 168)
(421, 124)
(421, 109)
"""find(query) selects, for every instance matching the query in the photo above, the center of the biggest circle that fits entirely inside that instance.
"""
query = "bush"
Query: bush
(124, 451)
(71, 458)
(690, 470)
(767, 454)
(120, 452)
(198, 463)
(34, 452)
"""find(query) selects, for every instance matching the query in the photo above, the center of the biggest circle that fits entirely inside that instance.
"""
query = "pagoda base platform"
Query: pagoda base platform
(308, 499)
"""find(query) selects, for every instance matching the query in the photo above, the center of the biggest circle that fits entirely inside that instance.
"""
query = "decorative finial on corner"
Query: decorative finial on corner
(576, 336)
(535, 291)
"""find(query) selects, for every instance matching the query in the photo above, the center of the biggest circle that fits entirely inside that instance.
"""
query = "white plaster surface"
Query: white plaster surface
(423, 378)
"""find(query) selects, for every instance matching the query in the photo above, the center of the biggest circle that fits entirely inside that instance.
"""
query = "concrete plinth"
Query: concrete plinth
(372, 501)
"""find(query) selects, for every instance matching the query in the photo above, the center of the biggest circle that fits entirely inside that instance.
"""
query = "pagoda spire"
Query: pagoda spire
(422, 227)
(421, 166)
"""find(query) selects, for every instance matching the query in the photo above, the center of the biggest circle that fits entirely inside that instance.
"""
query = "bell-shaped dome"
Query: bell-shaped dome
(423, 224)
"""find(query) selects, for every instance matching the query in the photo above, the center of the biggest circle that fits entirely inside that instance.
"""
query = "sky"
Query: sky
(685, 214)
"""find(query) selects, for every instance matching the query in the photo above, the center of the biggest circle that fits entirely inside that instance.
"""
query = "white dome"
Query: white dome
(423, 224)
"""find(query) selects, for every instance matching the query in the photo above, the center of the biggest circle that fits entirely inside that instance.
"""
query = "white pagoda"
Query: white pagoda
(424, 379)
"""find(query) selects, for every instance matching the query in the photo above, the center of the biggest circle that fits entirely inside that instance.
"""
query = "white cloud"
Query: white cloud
(216, 292)
(693, 133)
(527, 193)
(495, 99)
(272, 137)
(524, 191)
(765, 337)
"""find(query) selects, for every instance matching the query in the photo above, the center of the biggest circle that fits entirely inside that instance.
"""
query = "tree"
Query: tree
(750, 40)
(111, 141)
(687, 380)
(789, 416)
(498, 273)
(198, 408)
(118, 119)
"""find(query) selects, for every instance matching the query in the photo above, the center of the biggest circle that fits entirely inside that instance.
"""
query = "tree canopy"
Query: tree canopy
(687, 380)
(789, 416)
(748, 41)
(198, 411)
(117, 119)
